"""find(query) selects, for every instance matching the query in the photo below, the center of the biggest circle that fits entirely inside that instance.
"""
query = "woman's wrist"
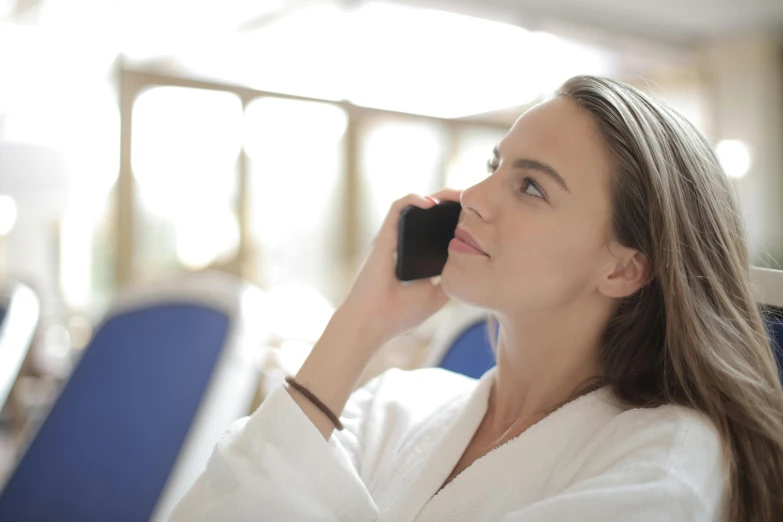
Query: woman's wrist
(343, 350)
(334, 367)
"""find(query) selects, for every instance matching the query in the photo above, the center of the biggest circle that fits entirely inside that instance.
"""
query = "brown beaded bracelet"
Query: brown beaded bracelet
(290, 380)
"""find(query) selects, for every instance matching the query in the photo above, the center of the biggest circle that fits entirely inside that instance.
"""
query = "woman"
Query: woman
(634, 379)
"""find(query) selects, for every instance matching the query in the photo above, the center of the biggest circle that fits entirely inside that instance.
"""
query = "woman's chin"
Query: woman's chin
(461, 287)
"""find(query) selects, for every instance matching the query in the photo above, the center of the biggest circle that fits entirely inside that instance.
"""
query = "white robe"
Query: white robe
(405, 431)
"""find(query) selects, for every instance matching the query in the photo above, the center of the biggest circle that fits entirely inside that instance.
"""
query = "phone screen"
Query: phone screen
(423, 239)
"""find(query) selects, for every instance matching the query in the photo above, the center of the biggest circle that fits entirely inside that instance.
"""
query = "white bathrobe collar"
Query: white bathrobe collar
(438, 450)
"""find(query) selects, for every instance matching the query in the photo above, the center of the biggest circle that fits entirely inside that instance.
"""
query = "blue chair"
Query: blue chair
(19, 316)
(768, 288)
(461, 343)
(166, 371)
(774, 324)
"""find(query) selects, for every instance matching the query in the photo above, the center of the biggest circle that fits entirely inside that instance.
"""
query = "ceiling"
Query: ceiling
(672, 21)
(645, 38)
(675, 22)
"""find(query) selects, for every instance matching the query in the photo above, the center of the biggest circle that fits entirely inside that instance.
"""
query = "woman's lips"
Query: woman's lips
(463, 235)
(457, 245)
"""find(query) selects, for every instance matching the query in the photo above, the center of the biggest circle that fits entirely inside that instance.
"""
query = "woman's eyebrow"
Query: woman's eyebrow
(530, 164)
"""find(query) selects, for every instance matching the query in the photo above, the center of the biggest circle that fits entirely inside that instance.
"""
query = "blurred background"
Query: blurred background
(141, 140)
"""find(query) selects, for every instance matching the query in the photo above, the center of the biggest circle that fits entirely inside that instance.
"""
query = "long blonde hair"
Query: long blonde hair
(693, 335)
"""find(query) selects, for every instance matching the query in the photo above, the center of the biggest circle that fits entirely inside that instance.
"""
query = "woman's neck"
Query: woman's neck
(538, 372)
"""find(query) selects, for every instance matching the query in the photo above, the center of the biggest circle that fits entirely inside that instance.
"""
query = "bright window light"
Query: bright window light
(184, 142)
(79, 118)
(6, 6)
(398, 157)
(204, 237)
(293, 146)
(734, 156)
(447, 64)
(147, 28)
(185, 147)
(275, 122)
(7, 214)
(296, 187)
(407, 59)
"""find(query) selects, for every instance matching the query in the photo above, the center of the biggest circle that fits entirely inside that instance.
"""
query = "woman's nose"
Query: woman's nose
(472, 200)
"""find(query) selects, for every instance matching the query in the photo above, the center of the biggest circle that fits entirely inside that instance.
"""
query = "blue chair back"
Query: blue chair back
(470, 353)
(108, 445)
(773, 320)
(3, 308)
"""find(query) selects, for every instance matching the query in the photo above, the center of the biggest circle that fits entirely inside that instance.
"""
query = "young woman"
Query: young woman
(634, 379)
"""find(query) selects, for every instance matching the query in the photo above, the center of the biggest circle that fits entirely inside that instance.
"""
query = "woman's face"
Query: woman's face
(542, 216)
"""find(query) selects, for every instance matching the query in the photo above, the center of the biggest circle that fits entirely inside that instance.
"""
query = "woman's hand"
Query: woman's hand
(378, 307)
(386, 306)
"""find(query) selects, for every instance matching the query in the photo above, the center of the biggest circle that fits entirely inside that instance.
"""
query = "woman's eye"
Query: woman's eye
(530, 187)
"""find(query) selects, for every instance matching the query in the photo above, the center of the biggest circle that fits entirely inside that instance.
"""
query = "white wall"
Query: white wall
(745, 79)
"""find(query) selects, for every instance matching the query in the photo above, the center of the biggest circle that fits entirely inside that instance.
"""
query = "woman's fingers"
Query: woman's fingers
(447, 194)
(397, 306)
(387, 235)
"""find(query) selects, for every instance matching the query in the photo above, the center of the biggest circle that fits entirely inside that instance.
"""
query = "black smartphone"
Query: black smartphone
(423, 238)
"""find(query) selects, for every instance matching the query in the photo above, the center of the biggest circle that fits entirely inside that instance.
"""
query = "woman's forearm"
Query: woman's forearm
(334, 366)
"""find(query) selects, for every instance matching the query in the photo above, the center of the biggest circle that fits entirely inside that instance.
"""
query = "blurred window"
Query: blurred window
(184, 159)
(296, 153)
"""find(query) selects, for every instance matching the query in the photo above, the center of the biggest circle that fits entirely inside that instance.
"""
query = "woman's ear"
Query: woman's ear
(630, 272)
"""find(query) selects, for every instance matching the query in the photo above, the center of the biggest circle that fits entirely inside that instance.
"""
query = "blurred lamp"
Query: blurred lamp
(734, 157)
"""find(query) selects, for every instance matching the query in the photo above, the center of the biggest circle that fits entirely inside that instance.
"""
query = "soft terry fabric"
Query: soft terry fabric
(590, 460)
